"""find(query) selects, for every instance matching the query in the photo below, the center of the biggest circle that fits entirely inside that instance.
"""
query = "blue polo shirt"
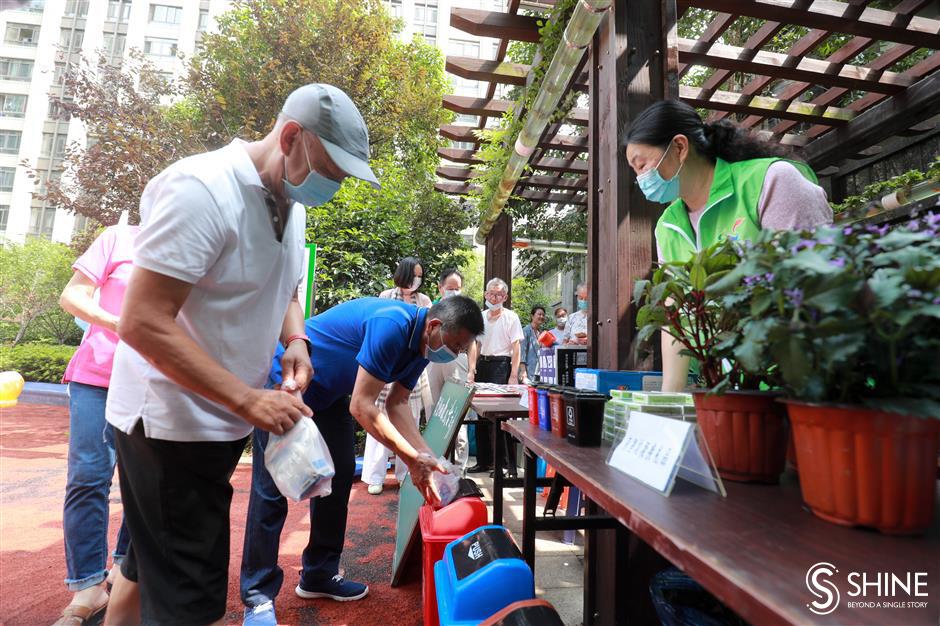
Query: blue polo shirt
(383, 336)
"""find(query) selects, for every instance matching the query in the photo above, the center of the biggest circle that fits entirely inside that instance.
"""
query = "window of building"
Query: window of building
(119, 9)
(33, 6)
(163, 14)
(203, 20)
(42, 185)
(53, 144)
(76, 8)
(464, 48)
(41, 222)
(71, 39)
(6, 178)
(426, 12)
(79, 225)
(114, 44)
(472, 120)
(158, 47)
(10, 141)
(4, 217)
(12, 105)
(16, 69)
(57, 111)
(395, 8)
(463, 145)
(21, 34)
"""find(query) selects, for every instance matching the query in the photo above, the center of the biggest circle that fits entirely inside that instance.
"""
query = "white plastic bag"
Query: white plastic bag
(300, 462)
(446, 484)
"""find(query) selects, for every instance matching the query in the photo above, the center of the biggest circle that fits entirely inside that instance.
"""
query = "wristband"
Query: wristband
(303, 338)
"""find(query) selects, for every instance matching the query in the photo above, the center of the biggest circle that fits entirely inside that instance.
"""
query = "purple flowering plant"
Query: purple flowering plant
(849, 315)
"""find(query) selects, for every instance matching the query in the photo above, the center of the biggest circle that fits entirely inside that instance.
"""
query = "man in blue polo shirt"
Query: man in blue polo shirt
(356, 349)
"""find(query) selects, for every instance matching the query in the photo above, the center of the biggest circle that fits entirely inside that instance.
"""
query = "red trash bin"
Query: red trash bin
(438, 528)
(556, 402)
(533, 405)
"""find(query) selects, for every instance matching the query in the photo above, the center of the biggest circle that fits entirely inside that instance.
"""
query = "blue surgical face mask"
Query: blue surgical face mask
(494, 307)
(657, 189)
(451, 292)
(439, 355)
(315, 189)
(582, 305)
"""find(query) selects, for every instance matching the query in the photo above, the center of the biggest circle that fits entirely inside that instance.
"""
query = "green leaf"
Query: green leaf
(698, 277)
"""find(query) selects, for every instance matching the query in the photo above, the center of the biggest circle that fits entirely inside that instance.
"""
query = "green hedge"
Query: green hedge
(36, 362)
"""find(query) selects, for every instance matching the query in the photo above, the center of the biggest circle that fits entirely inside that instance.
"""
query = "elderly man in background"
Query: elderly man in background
(576, 330)
(498, 362)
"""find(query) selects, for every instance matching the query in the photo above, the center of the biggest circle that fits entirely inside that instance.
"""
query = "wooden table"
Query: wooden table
(493, 410)
(752, 549)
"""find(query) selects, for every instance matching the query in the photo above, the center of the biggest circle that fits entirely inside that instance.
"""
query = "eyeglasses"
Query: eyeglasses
(495, 294)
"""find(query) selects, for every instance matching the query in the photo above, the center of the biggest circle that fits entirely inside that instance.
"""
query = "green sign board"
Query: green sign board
(440, 433)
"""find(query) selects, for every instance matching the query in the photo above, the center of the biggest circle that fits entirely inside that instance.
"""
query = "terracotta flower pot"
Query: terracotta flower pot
(866, 467)
(746, 433)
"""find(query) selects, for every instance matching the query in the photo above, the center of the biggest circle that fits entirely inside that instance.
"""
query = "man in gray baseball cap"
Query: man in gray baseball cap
(217, 263)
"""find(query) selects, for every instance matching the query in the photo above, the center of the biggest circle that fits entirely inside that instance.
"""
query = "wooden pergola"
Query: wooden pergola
(636, 58)
(797, 98)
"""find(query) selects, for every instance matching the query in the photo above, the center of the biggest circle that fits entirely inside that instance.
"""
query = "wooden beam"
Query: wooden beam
(713, 31)
(546, 164)
(883, 120)
(768, 107)
(568, 143)
(496, 71)
(561, 183)
(462, 189)
(483, 106)
(835, 17)
(783, 66)
(456, 173)
(495, 24)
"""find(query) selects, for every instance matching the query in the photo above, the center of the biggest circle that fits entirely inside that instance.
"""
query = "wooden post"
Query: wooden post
(498, 259)
(634, 63)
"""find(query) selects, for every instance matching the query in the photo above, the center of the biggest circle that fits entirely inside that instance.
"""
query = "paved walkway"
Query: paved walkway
(33, 453)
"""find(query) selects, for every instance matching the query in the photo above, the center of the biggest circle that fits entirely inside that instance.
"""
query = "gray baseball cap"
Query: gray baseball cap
(328, 112)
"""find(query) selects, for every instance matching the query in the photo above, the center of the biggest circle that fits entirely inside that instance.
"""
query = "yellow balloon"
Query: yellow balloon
(11, 385)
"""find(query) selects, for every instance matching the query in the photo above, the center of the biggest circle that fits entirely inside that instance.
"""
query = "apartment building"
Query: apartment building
(42, 39)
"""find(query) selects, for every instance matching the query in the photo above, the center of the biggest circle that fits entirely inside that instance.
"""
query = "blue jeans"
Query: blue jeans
(87, 489)
(261, 578)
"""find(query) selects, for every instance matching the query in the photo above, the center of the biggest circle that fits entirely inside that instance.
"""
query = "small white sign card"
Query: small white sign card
(655, 450)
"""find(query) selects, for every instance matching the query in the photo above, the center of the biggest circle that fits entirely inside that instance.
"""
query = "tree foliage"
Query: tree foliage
(235, 86)
(32, 275)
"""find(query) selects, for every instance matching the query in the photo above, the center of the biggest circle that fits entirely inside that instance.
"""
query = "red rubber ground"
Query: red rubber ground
(33, 452)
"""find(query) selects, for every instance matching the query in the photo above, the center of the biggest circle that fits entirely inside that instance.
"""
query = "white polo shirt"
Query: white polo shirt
(204, 221)
(499, 334)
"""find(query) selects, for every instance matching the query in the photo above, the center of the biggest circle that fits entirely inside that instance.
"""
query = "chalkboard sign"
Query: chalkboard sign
(440, 433)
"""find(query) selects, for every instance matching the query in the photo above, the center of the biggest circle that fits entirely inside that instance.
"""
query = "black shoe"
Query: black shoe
(479, 469)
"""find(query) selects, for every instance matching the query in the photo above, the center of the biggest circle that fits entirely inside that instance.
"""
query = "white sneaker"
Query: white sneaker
(375, 490)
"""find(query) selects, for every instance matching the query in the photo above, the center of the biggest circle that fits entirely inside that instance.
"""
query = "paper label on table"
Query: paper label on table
(585, 380)
(651, 449)
(655, 450)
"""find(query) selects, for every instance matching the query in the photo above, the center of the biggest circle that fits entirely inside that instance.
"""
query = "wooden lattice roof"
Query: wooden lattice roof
(830, 107)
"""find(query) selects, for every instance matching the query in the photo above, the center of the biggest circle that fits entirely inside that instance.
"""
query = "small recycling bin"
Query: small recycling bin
(584, 415)
(482, 573)
(438, 528)
(533, 405)
(526, 613)
(545, 418)
(556, 401)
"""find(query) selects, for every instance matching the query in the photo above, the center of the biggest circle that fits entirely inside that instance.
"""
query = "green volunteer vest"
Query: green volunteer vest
(731, 210)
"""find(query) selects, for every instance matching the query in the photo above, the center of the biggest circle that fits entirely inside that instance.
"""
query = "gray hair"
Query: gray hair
(581, 285)
(497, 283)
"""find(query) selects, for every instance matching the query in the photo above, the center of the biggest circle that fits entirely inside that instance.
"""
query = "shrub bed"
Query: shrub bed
(37, 362)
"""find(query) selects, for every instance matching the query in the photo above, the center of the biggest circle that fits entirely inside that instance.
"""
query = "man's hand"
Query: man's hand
(297, 371)
(273, 411)
(420, 470)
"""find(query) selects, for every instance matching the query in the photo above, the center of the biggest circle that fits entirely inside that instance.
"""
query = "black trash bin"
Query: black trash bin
(584, 416)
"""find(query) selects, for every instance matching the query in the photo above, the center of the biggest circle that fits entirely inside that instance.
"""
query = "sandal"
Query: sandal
(78, 615)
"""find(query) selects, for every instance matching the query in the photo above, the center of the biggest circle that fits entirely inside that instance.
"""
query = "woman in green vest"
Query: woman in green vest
(718, 181)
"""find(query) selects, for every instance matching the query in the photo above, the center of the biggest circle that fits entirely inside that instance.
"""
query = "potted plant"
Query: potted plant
(744, 428)
(851, 316)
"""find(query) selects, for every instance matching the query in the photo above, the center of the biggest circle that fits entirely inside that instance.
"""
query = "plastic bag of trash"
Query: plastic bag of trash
(447, 484)
(300, 462)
